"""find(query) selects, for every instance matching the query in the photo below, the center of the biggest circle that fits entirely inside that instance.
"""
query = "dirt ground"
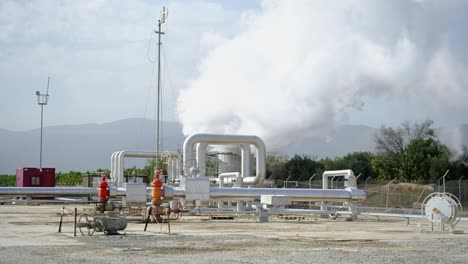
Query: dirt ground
(28, 234)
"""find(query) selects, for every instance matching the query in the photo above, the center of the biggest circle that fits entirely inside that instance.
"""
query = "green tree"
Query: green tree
(416, 160)
(385, 166)
(359, 162)
(439, 165)
(150, 166)
(302, 167)
(70, 178)
(276, 167)
(410, 151)
(393, 141)
(332, 164)
(7, 180)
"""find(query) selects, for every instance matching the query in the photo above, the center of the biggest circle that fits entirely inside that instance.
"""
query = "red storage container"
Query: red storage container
(33, 177)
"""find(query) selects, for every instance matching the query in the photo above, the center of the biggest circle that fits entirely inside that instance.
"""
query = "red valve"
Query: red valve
(104, 192)
(157, 192)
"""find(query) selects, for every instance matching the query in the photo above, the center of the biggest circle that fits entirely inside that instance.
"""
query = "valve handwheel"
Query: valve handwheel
(87, 224)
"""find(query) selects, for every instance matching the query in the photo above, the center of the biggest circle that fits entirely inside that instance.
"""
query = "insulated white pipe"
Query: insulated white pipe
(113, 167)
(246, 194)
(175, 160)
(226, 175)
(170, 171)
(227, 139)
(117, 160)
(175, 166)
(201, 158)
(245, 165)
(120, 169)
(350, 179)
(60, 191)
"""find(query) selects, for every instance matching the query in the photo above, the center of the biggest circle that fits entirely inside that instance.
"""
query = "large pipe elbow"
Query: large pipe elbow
(190, 142)
(348, 174)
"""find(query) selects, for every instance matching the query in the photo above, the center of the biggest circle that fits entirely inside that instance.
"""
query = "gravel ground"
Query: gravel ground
(29, 235)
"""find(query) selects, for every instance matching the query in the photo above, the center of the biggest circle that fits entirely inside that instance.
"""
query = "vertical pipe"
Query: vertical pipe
(324, 181)
(169, 169)
(113, 167)
(333, 178)
(177, 169)
(245, 165)
(201, 158)
(122, 170)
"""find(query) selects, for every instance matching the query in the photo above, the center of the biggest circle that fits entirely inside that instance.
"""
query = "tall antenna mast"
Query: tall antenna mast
(162, 19)
(42, 100)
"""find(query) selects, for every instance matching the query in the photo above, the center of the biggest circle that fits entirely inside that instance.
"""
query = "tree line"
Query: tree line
(409, 152)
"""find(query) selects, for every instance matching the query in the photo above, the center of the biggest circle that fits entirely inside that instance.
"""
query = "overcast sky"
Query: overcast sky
(369, 57)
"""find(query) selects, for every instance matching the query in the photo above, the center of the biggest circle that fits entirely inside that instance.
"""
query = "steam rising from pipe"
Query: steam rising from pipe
(295, 65)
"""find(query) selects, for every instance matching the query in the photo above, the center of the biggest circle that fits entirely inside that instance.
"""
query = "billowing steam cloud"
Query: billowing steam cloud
(296, 65)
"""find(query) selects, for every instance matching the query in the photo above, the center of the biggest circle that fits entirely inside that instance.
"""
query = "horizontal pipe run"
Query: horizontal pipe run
(307, 212)
(295, 194)
(244, 194)
(57, 191)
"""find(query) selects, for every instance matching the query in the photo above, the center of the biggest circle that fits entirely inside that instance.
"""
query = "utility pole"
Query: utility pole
(162, 19)
(42, 100)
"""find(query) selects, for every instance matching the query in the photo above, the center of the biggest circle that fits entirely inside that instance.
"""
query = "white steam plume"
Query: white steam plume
(296, 64)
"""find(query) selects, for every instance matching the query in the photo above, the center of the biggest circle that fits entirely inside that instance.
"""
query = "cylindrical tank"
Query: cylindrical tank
(228, 157)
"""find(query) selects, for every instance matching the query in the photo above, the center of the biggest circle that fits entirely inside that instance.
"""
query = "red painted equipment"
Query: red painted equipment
(34, 177)
(104, 192)
(157, 192)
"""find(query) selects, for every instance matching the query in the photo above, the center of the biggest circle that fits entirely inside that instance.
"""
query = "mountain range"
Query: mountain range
(90, 146)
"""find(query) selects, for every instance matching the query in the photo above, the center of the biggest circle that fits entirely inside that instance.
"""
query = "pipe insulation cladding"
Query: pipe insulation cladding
(118, 166)
(243, 194)
(194, 139)
(349, 178)
(58, 191)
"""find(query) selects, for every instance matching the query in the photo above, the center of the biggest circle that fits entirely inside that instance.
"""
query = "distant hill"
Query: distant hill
(89, 146)
(82, 147)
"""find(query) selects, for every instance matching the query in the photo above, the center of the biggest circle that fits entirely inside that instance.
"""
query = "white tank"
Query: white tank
(228, 157)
